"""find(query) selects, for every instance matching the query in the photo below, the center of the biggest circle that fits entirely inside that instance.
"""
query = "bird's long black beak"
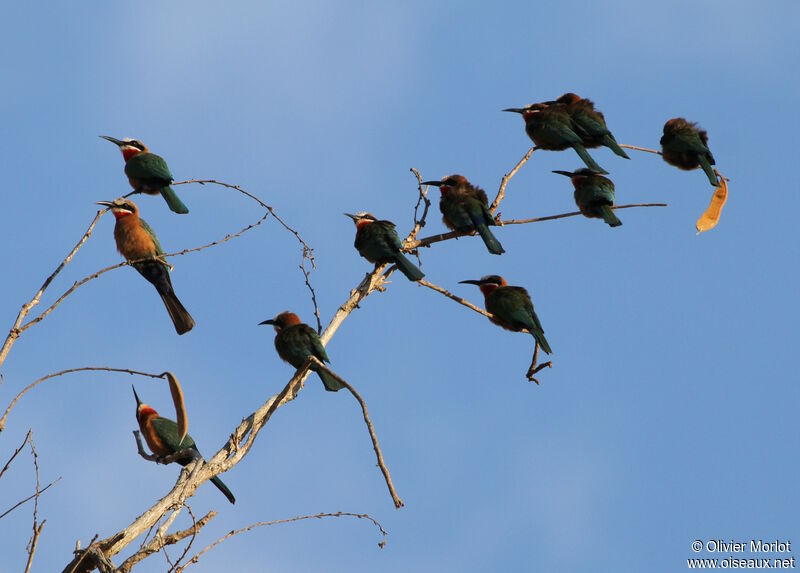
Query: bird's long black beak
(434, 183)
(108, 204)
(353, 217)
(113, 140)
(135, 395)
(515, 109)
(269, 321)
(565, 173)
(470, 282)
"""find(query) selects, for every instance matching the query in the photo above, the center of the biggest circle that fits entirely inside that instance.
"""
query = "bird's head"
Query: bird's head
(487, 283)
(529, 111)
(283, 320)
(142, 410)
(362, 218)
(578, 174)
(129, 147)
(569, 98)
(120, 207)
(449, 183)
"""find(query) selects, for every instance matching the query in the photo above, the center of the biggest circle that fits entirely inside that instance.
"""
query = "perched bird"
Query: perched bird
(136, 240)
(590, 123)
(550, 127)
(594, 195)
(161, 435)
(685, 146)
(377, 241)
(511, 307)
(296, 341)
(147, 172)
(465, 208)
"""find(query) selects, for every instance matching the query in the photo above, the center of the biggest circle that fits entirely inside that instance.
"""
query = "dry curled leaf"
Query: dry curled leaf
(180, 406)
(710, 218)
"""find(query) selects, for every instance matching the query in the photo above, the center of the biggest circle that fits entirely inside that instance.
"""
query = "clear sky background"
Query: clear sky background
(671, 412)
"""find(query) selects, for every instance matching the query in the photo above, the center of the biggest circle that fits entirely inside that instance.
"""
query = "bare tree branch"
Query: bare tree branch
(428, 241)
(419, 220)
(306, 274)
(306, 246)
(70, 371)
(501, 192)
(16, 452)
(625, 145)
(377, 524)
(533, 369)
(30, 497)
(398, 503)
(26, 308)
(85, 280)
(451, 296)
(37, 528)
(575, 214)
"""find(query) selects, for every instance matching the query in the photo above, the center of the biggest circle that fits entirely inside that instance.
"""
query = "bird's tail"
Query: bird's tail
(609, 216)
(611, 143)
(223, 488)
(172, 199)
(492, 243)
(408, 268)
(587, 159)
(704, 163)
(181, 318)
(331, 383)
(539, 336)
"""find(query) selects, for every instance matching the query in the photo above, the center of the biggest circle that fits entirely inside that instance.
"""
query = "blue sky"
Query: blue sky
(671, 412)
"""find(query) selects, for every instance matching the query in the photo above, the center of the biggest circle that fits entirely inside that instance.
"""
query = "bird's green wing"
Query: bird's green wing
(148, 166)
(390, 235)
(149, 230)
(513, 305)
(167, 431)
(316, 345)
(688, 141)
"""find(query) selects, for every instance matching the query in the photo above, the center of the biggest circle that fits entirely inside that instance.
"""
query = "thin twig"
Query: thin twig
(451, 296)
(533, 367)
(306, 273)
(37, 529)
(575, 214)
(428, 241)
(17, 451)
(26, 308)
(625, 145)
(70, 371)
(190, 453)
(501, 192)
(398, 503)
(419, 221)
(306, 246)
(375, 522)
(30, 497)
(85, 280)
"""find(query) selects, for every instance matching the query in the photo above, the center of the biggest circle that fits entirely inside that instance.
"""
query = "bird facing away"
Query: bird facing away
(465, 208)
(377, 241)
(147, 172)
(296, 341)
(590, 123)
(594, 195)
(511, 307)
(136, 240)
(161, 435)
(685, 146)
(549, 126)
